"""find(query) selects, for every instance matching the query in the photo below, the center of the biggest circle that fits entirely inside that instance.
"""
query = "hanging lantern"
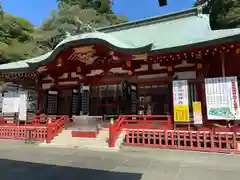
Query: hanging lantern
(238, 51)
(199, 65)
(128, 63)
(130, 72)
(199, 56)
(79, 69)
(170, 69)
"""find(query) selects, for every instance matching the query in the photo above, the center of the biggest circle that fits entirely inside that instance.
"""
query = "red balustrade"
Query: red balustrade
(23, 133)
(40, 128)
(137, 122)
(185, 140)
(156, 131)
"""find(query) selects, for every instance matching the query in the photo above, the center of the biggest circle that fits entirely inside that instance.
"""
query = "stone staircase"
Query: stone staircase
(100, 143)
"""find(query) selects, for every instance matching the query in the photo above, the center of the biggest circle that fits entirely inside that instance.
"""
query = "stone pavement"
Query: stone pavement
(19, 161)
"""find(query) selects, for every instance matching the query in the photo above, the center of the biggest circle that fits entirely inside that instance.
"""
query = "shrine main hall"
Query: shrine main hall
(129, 68)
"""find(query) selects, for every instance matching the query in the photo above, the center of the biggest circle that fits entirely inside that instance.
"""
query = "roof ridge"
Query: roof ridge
(151, 20)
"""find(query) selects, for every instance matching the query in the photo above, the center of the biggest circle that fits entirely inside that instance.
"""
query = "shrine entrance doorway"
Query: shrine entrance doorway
(65, 102)
(155, 99)
(105, 99)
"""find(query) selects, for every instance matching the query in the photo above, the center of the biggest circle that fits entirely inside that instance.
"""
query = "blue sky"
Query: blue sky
(38, 10)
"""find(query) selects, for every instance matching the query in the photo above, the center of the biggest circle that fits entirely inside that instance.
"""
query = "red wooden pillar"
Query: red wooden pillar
(200, 90)
(49, 133)
(170, 75)
(38, 101)
(200, 79)
(111, 142)
(38, 97)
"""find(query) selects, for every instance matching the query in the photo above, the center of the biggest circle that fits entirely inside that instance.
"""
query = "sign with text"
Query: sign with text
(10, 104)
(23, 107)
(181, 113)
(197, 112)
(180, 101)
(222, 98)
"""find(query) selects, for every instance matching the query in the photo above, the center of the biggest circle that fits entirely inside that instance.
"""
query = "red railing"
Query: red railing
(23, 133)
(137, 122)
(157, 131)
(185, 140)
(56, 127)
(40, 128)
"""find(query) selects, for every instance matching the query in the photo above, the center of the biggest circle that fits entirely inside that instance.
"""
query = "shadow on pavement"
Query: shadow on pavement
(19, 170)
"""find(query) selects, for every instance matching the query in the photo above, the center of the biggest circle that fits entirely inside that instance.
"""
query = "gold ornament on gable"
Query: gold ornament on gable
(59, 62)
(140, 57)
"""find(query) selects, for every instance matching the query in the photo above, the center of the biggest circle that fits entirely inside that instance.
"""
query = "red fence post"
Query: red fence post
(170, 121)
(49, 132)
(66, 122)
(111, 134)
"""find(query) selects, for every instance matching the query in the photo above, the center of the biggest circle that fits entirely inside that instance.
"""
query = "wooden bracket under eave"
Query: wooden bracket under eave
(42, 69)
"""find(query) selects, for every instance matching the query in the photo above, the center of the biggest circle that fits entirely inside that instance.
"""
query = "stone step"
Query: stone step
(90, 147)
(65, 140)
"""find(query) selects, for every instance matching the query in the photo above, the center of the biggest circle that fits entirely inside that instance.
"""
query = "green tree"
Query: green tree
(15, 39)
(73, 19)
(1, 10)
(101, 6)
(19, 39)
(224, 14)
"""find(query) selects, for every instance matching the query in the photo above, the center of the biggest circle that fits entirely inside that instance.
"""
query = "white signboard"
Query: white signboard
(23, 107)
(222, 98)
(10, 104)
(180, 92)
(180, 101)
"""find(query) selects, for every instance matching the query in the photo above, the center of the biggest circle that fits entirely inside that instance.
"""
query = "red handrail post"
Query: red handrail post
(66, 122)
(170, 121)
(49, 132)
(111, 134)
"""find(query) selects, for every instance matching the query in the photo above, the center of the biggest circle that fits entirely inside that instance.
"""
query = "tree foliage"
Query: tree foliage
(224, 14)
(19, 39)
(15, 35)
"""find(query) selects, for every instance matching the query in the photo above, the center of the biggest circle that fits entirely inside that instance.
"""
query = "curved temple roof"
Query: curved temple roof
(168, 33)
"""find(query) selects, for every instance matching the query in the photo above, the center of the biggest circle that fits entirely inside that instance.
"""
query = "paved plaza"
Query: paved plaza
(20, 161)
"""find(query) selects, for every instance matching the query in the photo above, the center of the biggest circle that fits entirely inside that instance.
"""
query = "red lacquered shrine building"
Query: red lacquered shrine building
(129, 68)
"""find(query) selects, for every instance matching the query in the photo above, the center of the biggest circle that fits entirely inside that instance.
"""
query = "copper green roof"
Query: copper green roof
(168, 33)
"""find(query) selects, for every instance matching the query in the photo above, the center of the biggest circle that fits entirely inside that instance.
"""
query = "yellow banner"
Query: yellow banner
(181, 113)
(197, 107)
